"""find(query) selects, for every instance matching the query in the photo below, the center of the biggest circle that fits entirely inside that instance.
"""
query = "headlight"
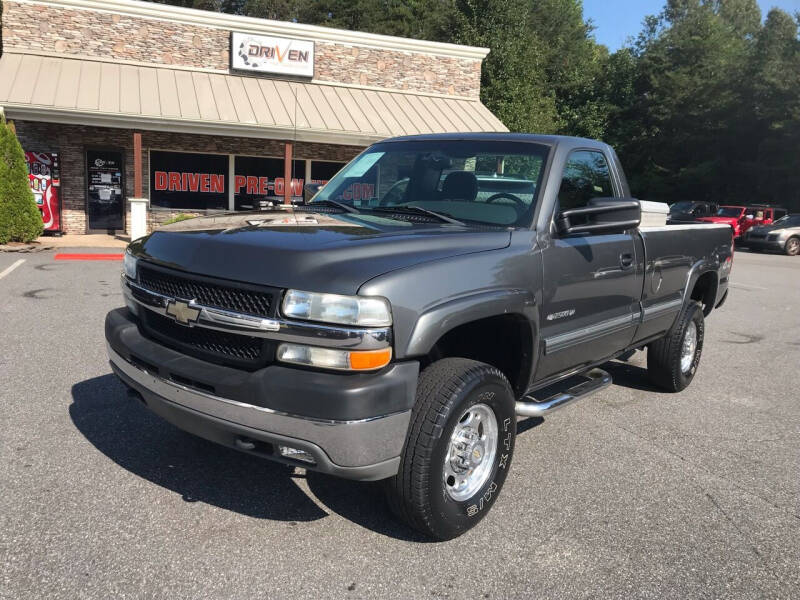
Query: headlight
(330, 358)
(362, 311)
(129, 265)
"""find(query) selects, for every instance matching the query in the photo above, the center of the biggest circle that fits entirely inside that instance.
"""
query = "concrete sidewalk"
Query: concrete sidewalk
(95, 240)
(48, 242)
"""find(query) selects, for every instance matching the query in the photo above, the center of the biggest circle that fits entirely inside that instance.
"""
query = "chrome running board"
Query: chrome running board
(531, 407)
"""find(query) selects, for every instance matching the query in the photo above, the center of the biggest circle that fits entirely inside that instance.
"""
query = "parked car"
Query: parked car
(783, 235)
(742, 218)
(689, 212)
(400, 336)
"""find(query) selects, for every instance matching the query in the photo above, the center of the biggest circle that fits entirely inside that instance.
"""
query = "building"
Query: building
(198, 111)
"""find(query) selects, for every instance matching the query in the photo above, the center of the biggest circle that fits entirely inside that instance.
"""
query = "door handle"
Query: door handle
(626, 260)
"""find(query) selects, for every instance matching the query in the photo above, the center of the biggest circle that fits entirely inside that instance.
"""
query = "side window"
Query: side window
(586, 176)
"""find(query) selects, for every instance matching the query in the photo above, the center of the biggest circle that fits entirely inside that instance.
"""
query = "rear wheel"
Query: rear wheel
(458, 450)
(792, 247)
(672, 361)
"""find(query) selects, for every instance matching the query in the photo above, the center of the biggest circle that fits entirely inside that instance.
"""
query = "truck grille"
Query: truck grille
(239, 298)
(233, 349)
(242, 351)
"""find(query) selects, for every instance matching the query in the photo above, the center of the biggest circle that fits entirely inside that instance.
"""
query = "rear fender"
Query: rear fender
(697, 270)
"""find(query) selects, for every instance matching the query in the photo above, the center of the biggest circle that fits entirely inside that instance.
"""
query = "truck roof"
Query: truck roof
(549, 140)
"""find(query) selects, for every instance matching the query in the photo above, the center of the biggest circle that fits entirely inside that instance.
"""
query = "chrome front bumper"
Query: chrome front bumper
(366, 449)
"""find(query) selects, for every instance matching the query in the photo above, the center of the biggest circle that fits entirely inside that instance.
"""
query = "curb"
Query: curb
(24, 248)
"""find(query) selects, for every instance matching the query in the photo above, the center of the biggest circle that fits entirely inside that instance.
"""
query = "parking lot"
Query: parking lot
(629, 493)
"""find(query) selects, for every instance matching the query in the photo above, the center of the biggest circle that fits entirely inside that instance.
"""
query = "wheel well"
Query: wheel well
(503, 341)
(705, 291)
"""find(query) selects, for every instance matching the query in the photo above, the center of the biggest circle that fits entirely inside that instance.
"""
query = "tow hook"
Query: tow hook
(244, 443)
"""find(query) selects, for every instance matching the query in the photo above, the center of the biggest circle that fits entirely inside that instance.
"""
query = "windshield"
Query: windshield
(788, 221)
(681, 207)
(472, 181)
(730, 211)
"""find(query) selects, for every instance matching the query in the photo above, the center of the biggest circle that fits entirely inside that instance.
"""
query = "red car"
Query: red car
(742, 218)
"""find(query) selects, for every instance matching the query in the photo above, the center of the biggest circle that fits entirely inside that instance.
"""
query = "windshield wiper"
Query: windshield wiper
(342, 205)
(412, 209)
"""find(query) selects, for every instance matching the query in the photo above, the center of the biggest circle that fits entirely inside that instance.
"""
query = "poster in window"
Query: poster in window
(188, 181)
(259, 182)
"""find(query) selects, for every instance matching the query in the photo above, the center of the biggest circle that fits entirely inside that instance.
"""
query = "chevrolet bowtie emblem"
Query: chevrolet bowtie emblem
(183, 312)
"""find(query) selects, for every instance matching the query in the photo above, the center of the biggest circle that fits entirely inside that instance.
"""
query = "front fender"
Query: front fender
(444, 317)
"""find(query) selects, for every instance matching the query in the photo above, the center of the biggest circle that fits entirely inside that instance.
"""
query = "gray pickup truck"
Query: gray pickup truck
(396, 325)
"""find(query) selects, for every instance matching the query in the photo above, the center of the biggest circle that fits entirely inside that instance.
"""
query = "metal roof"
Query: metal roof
(84, 91)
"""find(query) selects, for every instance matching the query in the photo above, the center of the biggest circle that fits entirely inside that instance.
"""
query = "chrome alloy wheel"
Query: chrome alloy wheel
(689, 347)
(470, 454)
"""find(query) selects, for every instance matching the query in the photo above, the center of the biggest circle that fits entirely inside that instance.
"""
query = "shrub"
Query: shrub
(20, 219)
(177, 218)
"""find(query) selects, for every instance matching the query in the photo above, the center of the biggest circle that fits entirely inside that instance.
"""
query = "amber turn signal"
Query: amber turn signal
(370, 360)
(332, 358)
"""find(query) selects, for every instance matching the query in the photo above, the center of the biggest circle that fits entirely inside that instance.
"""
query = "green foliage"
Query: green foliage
(20, 220)
(178, 218)
(716, 105)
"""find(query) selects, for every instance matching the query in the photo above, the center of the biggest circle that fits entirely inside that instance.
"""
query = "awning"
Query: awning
(93, 92)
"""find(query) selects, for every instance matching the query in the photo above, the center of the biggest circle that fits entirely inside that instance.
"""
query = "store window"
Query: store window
(188, 181)
(323, 170)
(259, 182)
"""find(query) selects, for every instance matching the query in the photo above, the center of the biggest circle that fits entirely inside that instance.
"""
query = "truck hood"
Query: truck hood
(335, 253)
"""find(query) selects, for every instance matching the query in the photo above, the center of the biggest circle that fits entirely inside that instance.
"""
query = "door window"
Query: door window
(586, 176)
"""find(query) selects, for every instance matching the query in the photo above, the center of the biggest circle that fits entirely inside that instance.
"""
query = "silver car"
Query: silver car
(782, 235)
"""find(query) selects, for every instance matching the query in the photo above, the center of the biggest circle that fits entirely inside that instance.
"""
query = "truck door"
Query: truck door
(591, 286)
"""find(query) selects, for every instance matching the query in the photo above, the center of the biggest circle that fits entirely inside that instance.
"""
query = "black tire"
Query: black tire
(664, 355)
(418, 494)
(792, 247)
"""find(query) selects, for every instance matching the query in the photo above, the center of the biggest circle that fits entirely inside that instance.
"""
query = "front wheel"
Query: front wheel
(672, 361)
(458, 450)
(792, 247)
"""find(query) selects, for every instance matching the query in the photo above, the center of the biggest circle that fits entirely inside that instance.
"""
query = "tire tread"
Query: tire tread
(438, 388)
(663, 355)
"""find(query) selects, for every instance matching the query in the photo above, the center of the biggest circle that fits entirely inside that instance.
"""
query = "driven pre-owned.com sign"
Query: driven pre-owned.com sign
(267, 54)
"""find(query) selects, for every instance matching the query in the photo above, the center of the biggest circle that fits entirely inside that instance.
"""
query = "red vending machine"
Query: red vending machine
(44, 176)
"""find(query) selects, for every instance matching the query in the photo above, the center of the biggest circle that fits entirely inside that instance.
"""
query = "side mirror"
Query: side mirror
(310, 190)
(601, 215)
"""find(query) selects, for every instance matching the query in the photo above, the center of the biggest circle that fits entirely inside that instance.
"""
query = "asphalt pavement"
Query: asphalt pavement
(631, 493)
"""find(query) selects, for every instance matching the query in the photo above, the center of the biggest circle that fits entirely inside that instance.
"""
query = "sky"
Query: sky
(615, 20)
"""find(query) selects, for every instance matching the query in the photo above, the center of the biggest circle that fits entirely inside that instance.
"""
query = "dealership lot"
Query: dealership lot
(630, 493)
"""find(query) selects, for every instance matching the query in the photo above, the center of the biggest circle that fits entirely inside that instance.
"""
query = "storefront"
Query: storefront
(197, 111)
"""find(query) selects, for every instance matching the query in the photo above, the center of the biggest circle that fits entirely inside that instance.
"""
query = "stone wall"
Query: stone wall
(79, 32)
(71, 142)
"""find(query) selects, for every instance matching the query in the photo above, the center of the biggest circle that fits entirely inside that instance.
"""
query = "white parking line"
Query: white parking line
(11, 268)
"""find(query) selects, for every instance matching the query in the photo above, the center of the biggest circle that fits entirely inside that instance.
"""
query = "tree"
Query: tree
(695, 129)
(776, 108)
(418, 19)
(20, 220)
(514, 83)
